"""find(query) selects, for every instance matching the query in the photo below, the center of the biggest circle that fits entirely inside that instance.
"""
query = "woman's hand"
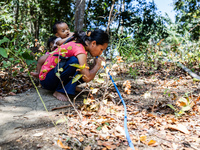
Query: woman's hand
(99, 61)
(89, 74)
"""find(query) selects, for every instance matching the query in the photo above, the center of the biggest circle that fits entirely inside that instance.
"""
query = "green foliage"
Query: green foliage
(133, 72)
(188, 14)
(15, 57)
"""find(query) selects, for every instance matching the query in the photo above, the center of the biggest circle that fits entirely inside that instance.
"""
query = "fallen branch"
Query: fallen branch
(61, 107)
(189, 71)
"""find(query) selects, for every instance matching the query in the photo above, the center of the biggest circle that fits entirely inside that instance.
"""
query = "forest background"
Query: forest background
(138, 31)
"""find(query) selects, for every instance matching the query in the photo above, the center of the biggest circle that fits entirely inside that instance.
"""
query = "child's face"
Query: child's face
(96, 50)
(63, 30)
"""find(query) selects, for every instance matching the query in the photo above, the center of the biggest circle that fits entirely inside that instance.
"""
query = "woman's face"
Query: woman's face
(96, 50)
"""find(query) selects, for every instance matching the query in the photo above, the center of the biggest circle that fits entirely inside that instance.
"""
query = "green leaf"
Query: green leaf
(5, 39)
(61, 120)
(100, 80)
(3, 52)
(14, 73)
(85, 101)
(186, 108)
(102, 74)
(29, 62)
(21, 70)
(196, 80)
(107, 123)
(26, 55)
(76, 78)
(99, 128)
(171, 106)
(60, 70)
(58, 74)
(181, 112)
(78, 66)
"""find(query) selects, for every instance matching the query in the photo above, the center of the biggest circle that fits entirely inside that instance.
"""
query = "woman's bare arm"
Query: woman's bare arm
(89, 74)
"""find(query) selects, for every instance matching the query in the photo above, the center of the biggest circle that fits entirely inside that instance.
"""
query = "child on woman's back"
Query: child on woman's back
(62, 34)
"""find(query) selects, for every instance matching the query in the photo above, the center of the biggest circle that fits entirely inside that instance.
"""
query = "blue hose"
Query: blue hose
(125, 113)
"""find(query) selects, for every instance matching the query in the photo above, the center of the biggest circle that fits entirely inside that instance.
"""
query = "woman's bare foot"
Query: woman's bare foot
(60, 96)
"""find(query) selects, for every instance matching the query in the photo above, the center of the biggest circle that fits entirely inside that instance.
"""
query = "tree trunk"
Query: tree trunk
(109, 22)
(122, 28)
(110, 16)
(79, 15)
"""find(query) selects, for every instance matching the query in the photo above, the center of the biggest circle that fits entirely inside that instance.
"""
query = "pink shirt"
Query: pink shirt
(65, 50)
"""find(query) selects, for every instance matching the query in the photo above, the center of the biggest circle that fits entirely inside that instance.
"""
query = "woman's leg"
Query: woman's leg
(52, 82)
(67, 76)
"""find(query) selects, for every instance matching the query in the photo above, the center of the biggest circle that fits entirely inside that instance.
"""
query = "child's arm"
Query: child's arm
(40, 62)
(60, 42)
(88, 75)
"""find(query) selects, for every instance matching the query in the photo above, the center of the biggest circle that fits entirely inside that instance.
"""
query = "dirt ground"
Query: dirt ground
(26, 125)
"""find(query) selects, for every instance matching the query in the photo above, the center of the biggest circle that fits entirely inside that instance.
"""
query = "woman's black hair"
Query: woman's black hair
(51, 40)
(97, 35)
(55, 26)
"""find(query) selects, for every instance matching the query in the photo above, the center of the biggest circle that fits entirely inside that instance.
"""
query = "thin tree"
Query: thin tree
(79, 15)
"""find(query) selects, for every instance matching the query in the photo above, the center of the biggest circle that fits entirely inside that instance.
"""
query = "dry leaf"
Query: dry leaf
(60, 144)
(152, 143)
(81, 139)
(119, 59)
(99, 143)
(115, 66)
(182, 102)
(143, 138)
(104, 129)
(94, 91)
(179, 127)
(109, 145)
(38, 134)
(87, 148)
(120, 130)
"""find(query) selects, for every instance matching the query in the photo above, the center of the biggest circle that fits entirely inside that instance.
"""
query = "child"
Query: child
(62, 34)
(76, 53)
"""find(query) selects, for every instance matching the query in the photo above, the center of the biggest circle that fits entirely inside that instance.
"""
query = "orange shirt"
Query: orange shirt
(65, 50)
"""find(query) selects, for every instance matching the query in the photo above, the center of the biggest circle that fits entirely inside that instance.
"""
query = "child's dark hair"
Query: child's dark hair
(97, 35)
(51, 40)
(55, 27)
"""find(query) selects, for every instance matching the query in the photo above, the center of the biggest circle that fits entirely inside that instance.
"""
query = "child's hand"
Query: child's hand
(35, 74)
